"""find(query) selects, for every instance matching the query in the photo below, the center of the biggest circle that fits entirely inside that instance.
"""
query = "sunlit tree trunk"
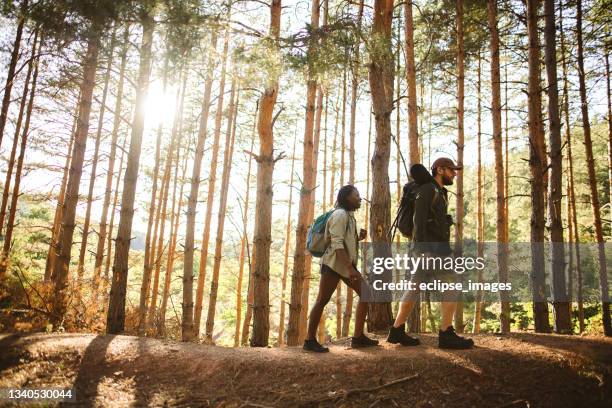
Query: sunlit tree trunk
(116, 308)
(281, 322)
(111, 223)
(212, 180)
(10, 75)
(8, 235)
(192, 203)
(502, 259)
(299, 279)
(102, 235)
(588, 146)
(58, 208)
(64, 244)
(244, 242)
(263, 206)
(175, 212)
(225, 178)
(94, 165)
(16, 139)
(150, 241)
(381, 72)
(159, 240)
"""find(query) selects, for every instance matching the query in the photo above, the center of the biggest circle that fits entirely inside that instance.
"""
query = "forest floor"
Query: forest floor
(516, 370)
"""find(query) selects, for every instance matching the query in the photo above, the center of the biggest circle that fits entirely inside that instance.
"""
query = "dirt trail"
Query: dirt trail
(516, 370)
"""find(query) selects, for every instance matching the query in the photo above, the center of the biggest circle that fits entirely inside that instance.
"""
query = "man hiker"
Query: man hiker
(339, 263)
(431, 237)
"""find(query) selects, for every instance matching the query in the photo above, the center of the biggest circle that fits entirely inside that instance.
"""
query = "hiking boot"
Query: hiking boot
(314, 346)
(363, 341)
(448, 339)
(397, 335)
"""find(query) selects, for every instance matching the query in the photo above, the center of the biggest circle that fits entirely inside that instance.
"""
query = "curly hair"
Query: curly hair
(342, 197)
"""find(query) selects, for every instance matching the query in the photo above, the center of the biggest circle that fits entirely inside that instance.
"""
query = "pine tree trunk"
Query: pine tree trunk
(102, 236)
(413, 130)
(281, 322)
(308, 269)
(8, 236)
(588, 146)
(115, 322)
(111, 223)
(58, 208)
(11, 162)
(561, 305)
(299, 279)
(64, 244)
(10, 75)
(225, 179)
(479, 199)
(157, 252)
(348, 309)
(94, 166)
(381, 72)
(460, 147)
(188, 333)
(212, 179)
(263, 207)
(502, 259)
(248, 316)
(244, 243)
(175, 213)
(150, 241)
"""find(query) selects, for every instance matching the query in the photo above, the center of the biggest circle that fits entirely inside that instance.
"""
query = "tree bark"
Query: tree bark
(281, 322)
(225, 179)
(588, 146)
(563, 323)
(502, 259)
(115, 322)
(10, 75)
(244, 244)
(150, 241)
(158, 252)
(102, 235)
(11, 162)
(58, 208)
(460, 147)
(413, 130)
(8, 236)
(94, 166)
(212, 180)
(480, 201)
(188, 333)
(381, 72)
(298, 279)
(64, 244)
(175, 213)
(263, 207)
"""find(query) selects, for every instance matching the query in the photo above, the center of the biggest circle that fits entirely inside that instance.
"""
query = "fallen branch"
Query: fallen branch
(348, 393)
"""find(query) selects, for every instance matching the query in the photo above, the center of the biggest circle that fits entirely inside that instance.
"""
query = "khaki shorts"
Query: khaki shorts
(431, 274)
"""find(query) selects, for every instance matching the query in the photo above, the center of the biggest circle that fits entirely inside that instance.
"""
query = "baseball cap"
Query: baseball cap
(445, 162)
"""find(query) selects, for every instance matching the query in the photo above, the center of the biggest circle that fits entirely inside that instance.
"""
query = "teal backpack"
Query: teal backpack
(316, 243)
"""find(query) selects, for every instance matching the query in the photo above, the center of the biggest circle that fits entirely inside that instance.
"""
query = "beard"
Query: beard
(448, 181)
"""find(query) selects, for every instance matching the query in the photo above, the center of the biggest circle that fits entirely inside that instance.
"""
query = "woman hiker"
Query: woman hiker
(339, 262)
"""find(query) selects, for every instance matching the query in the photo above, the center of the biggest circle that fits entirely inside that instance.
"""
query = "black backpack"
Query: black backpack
(404, 220)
